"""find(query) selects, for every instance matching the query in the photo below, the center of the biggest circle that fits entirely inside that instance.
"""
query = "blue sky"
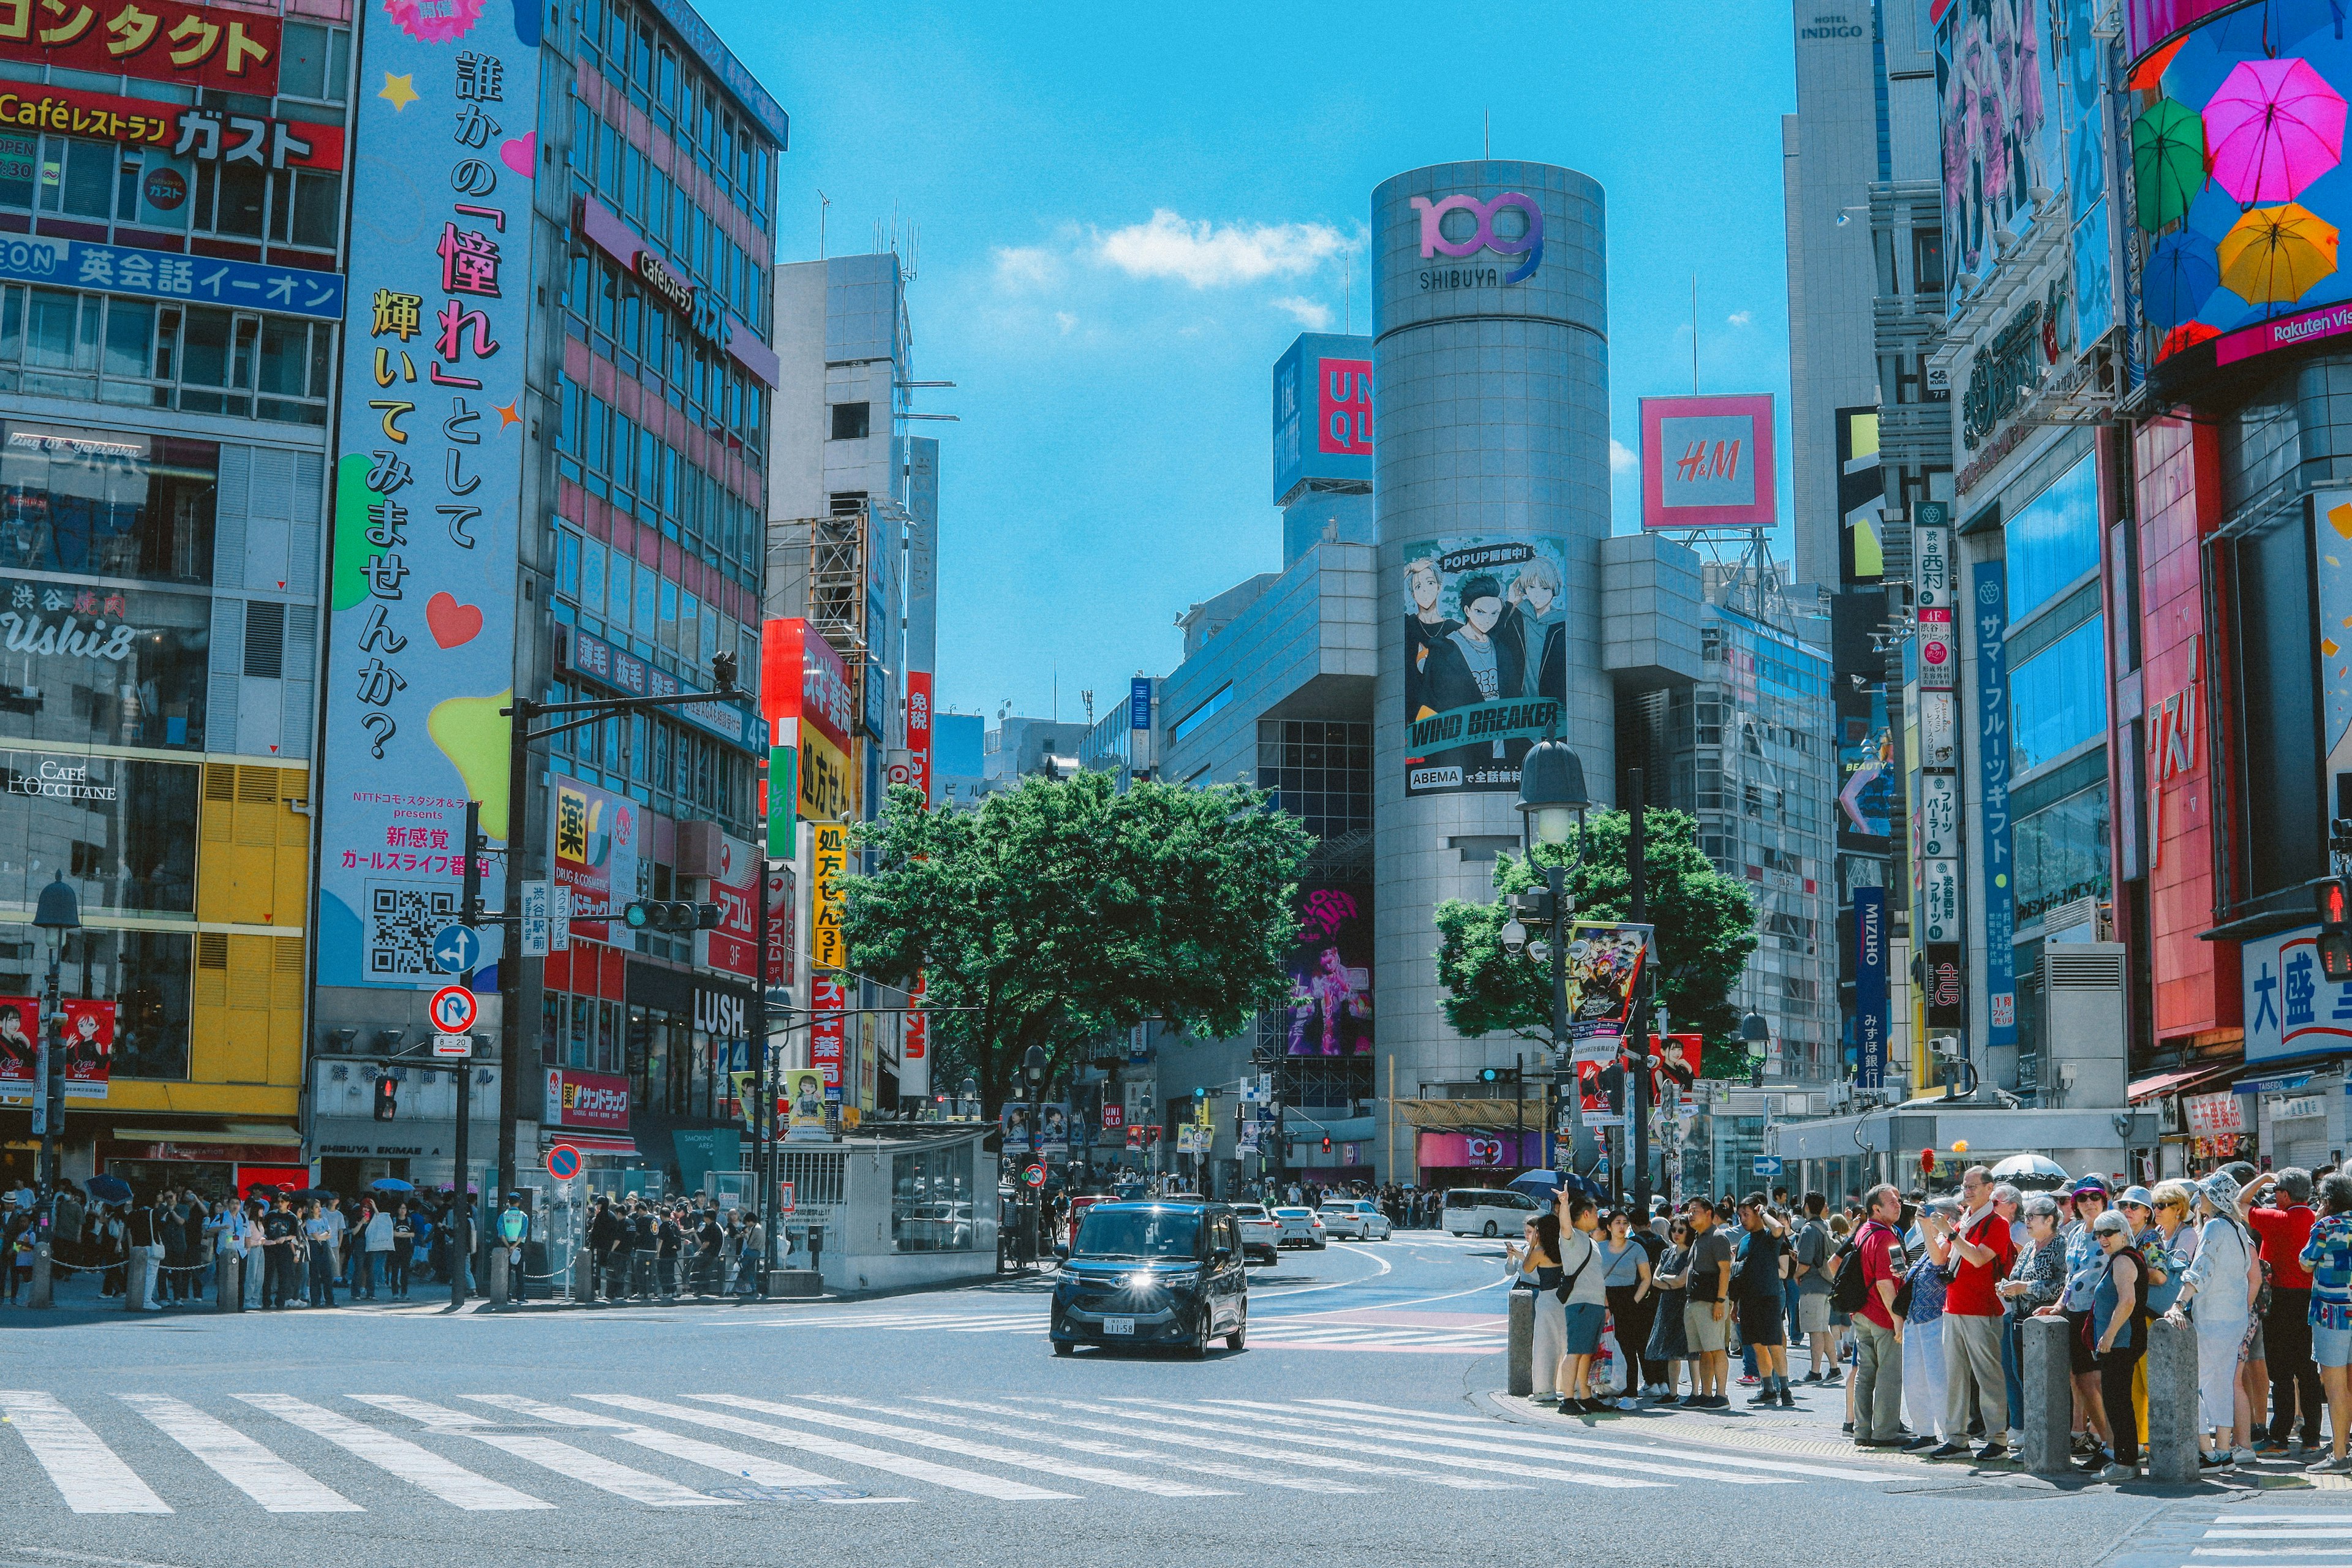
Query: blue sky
(1124, 217)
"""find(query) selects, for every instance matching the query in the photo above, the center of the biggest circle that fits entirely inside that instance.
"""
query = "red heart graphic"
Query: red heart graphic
(451, 622)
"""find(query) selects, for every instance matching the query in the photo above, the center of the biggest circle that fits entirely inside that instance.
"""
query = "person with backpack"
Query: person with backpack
(645, 1251)
(1865, 1281)
(1585, 1294)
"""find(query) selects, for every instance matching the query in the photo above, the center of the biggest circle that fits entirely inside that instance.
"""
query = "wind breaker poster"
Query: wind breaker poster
(1486, 668)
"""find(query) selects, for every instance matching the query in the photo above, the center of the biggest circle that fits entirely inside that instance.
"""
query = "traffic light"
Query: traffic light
(470, 898)
(1499, 1075)
(387, 1098)
(662, 915)
(1327, 1142)
(2333, 899)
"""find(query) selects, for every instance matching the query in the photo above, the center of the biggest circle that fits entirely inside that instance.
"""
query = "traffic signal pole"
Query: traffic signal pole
(1637, 1099)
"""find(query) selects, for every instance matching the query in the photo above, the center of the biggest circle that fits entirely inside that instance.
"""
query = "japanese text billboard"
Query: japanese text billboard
(157, 41)
(1486, 659)
(595, 1099)
(1993, 728)
(595, 839)
(2291, 1009)
(434, 423)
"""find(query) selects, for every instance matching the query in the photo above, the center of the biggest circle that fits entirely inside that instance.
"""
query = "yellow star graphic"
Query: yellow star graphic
(510, 414)
(399, 92)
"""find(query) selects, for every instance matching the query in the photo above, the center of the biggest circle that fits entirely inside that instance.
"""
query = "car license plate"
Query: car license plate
(1119, 1325)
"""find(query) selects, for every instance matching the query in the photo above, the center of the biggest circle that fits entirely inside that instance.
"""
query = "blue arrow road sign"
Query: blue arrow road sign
(456, 949)
(1768, 1164)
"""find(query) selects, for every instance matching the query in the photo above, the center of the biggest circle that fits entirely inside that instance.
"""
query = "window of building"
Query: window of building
(931, 1200)
(2052, 540)
(2058, 699)
(850, 421)
(1928, 255)
(1320, 770)
(2062, 854)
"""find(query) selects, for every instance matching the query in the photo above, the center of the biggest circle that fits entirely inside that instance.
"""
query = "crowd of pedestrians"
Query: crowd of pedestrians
(1918, 1305)
(647, 1251)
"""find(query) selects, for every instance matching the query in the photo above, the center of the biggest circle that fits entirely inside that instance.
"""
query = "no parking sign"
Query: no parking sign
(563, 1161)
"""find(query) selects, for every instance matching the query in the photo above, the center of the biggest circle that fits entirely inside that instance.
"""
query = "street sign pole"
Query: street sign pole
(761, 1111)
(460, 1216)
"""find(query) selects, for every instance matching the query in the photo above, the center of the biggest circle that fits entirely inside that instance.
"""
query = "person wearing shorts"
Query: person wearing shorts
(1584, 1291)
(1763, 1311)
(2328, 1254)
(1813, 1246)
(1706, 1307)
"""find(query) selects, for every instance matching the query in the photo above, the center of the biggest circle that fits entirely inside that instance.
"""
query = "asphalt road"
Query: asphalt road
(1360, 1426)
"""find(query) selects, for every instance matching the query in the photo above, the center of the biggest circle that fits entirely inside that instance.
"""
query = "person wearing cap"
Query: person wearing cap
(2328, 1254)
(1980, 1250)
(2085, 1258)
(2286, 1327)
(2218, 1291)
(2118, 1322)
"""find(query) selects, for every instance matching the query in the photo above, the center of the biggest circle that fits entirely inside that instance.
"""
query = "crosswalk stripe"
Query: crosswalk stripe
(1393, 1415)
(451, 1483)
(276, 1486)
(1191, 1439)
(85, 1471)
(1280, 1416)
(572, 1464)
(1099, 1450)
(2324, 1533)
(1099, 1474)
(1354, 1443)
(767, 1472)
(904, 1465)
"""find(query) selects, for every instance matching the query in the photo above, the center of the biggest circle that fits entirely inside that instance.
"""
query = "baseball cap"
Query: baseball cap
(2091, 1184)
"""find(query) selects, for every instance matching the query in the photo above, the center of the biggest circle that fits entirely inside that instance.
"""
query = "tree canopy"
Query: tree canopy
(1706, 930)
(1064, 910)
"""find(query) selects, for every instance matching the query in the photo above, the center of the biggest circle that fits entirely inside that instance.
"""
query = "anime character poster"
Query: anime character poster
(1052, 1132)
(1997, 76)
(86, 1029)
(1486, 659)
(20, 1046)
(804, 1105)
(1604, 962)
(1331, 968)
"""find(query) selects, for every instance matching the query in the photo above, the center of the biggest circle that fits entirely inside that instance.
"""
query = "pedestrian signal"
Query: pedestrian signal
(2333, 899)
(387, 1098)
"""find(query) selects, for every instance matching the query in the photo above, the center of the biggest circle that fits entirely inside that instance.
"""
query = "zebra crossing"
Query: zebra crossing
(496, 1452)
(1368, 1329)
(2318, 1536)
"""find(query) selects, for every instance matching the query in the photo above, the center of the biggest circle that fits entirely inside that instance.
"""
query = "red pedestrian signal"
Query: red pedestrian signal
(387, 1098)
(2332, 899)
(1327, 1142)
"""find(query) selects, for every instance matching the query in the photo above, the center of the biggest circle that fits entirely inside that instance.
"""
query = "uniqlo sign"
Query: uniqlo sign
(1343, 390)
(1114, 1115)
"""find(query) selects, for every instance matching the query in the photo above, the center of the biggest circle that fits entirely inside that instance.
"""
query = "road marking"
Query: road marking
(452, 1483)
(1098, 1474)
(1125, 1428)
(87, 1473)
(1099, 1450)
(1282, 1414)
(276, 1485)
(571, 1463)
(851, 1453)
(2330, 1534)
(693, 1450)
(1389, 1413)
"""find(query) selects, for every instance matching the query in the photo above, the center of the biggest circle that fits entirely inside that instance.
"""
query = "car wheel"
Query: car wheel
(1063, 1347)
(1198, 1348)
(1317, 1246)
(1490, 1227)
(1240, 1336)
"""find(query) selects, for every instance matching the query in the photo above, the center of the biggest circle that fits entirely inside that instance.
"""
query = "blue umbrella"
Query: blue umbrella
(390, 1184)
(108, 1189)
(1536, 1184)
(2183, 272)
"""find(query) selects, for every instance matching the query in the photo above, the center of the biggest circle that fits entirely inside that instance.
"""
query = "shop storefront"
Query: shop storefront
(686, 1033)
(235, 1159)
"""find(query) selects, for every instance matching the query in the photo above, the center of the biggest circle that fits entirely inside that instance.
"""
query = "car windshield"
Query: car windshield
(1137, 1232)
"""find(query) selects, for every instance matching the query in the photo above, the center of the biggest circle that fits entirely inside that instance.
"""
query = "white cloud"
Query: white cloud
(1066, 321)
(1741, 318)
(1205, 256)
(1023, 267)
(1621, 459)
(1306, 312)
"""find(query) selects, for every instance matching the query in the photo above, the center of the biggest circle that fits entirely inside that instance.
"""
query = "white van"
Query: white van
(1479, 1211)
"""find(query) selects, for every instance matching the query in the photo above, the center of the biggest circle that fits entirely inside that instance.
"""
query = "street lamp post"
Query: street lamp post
(1032, 1069)
(57, 912)
(1551, 794)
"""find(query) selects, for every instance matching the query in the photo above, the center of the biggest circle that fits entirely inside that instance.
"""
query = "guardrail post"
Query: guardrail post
(2171, 1402)
(43, 1284)
(1522, 1373)
(2049, 1396)
(228, 1282)
(502, 1291)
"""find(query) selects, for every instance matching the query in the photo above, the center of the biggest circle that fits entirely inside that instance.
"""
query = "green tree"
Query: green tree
(1063, 910)
(1706, 924)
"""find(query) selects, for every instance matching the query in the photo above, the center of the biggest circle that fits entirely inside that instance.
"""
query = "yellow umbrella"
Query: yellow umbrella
(2276, 254)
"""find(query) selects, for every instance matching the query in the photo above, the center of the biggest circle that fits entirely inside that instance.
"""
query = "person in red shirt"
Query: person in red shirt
(2286, 1327)
(1979, 1250)
(1878, 1366)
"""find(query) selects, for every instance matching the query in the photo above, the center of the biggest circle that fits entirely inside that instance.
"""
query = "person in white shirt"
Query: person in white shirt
(376, 1236)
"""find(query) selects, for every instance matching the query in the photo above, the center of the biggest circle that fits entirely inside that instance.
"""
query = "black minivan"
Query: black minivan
(1153, 1273)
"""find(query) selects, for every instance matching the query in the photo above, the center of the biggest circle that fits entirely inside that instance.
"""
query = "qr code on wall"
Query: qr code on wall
(401, 923)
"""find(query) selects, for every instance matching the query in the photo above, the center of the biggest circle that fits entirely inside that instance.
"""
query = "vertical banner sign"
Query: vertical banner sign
(827, 948)
(20, 1047)
(781, 910)
(780, 705)
(918, 729)
(431, 433)
(1872, 1019)
(827, 1000)
(1931, 595)
(1992, 766)
(915, 1047)
(1939, 817)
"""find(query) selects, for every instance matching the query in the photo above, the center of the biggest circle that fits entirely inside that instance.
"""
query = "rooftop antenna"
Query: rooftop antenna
(1694, 334)
(1348, 289)
(823, 202)
(1489, 153)
(1086, 699)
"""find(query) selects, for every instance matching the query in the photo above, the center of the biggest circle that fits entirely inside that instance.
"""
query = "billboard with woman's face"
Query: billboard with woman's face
(1485, 666)
(1331, 968)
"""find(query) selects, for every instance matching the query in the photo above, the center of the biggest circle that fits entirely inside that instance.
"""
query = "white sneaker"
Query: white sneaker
(2330, 1466)
(2242, 1456)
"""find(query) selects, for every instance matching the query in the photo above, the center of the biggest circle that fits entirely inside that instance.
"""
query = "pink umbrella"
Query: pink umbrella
(2274, 127)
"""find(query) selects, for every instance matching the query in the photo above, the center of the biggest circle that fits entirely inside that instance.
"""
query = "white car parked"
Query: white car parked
(1357, 1219)
(1300, 1227)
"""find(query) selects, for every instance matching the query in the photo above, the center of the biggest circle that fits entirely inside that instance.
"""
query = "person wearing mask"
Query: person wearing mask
(1626, 1278)
(1585, 1296)
(2327, 1257)
(2217, 1292)
(1980, 1250)
(1924, 1368)
(1533, 1264)
(2284, 1228)
(1811, 1280)
(2119, 1320)
(1878, 1322)
(1763, 1312)
(1706, 1305)
(376, 1240)
(2037, 1278)
(1669, 1346)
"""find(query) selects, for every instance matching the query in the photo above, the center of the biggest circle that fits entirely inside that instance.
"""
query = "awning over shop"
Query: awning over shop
(234, 1132)
(591, 1142)
(2164, 1083)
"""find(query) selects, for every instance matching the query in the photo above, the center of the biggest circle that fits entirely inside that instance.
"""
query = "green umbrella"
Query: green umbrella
(2167, 160)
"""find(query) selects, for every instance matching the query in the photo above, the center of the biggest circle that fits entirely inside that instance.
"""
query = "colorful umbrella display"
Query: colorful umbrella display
(2185, 335)
(2181, 274)
(2276, 254)
(2167, 160)
(2274, 127)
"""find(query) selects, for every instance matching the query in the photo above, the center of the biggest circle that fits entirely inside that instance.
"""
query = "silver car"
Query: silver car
(1356, 1219)
(1261, 1232)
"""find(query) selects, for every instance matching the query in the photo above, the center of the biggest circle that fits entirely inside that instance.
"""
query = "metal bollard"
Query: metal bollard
(499, 1289)
(1521, 1376)
(43, 1284)
(2171, 1402)
(2049, 1395)
(583, 1278)
(228, 1282)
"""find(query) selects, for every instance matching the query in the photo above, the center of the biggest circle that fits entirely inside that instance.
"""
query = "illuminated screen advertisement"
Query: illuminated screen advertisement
(2237, 144)
(1486, 671)
(1707, 462)
(1330, 970)
(435, 421)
